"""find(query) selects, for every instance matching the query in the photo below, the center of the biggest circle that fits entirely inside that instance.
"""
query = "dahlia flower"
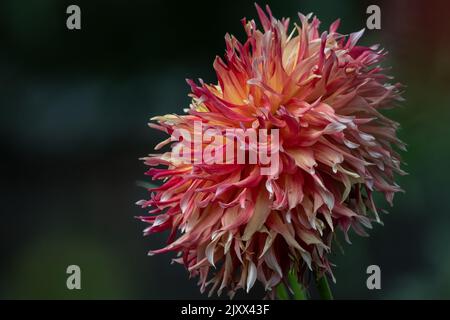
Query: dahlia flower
(231, 225)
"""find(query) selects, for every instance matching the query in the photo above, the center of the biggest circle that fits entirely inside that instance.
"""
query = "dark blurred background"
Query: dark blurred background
(73, 123)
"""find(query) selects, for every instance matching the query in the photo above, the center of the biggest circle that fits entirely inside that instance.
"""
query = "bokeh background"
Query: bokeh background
(73, 123)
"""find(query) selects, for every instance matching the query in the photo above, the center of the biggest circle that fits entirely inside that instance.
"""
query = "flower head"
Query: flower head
(232, 225)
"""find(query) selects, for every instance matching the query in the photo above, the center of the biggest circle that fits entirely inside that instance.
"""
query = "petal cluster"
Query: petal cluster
(229, 224)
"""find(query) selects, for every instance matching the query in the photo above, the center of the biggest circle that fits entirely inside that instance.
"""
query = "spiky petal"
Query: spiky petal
(324, 93)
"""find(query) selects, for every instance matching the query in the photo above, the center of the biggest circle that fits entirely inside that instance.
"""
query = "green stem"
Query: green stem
(282, 293)
(324, 288)
(297, 288)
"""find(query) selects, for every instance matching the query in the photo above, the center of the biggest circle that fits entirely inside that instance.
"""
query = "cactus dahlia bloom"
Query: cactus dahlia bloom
(231, 225)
